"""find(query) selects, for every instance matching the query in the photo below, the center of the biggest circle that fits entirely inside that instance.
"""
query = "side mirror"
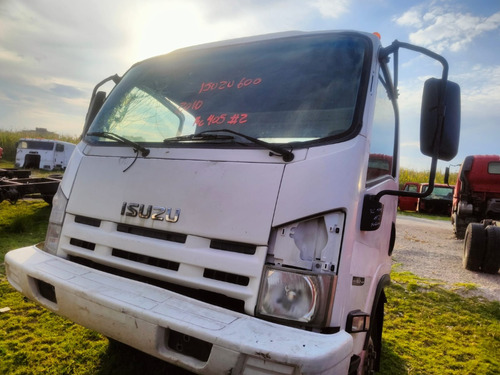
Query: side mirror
(440, 119)
(97, 100)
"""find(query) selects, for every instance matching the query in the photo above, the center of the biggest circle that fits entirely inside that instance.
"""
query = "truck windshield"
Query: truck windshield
(439, 192)
(291, 90)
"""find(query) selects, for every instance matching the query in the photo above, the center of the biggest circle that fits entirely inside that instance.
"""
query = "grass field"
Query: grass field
(428, 330)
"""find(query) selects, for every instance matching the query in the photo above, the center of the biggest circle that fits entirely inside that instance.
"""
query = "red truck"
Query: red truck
(476, 210)
(438, 202)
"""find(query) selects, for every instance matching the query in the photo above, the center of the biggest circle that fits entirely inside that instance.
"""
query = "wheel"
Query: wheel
(474, 247)
(373, 348)
(459, 226)
(370, 358)
(491, 262)
(48, 198)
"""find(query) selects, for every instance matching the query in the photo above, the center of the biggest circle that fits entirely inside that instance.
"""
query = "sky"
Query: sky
(53, 52)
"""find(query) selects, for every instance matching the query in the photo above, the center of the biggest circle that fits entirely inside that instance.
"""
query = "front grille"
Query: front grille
(198, 294)
(234, 247)
(213, 270)
(83, 244)
(152, 233)
(88, 221)
(144, 259)
(226, 277)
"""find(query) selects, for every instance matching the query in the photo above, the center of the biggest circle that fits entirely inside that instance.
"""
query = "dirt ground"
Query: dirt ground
(429, 249)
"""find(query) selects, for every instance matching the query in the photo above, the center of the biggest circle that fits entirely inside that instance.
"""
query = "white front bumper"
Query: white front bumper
(142, 316)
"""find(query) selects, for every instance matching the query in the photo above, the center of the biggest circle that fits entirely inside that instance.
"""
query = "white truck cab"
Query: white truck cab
(231, 207)
(40, 153)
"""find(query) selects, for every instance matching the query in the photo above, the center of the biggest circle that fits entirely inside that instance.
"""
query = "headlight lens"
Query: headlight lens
(56, 219)
(299, 296)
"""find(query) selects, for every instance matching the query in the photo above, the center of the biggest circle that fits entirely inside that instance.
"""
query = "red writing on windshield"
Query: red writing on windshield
(224, 118)
(196, 105)
(223, 85)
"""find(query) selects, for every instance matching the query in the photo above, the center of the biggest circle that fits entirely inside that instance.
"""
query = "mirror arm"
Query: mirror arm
(394, 47)
(400, 193)
(115, 78)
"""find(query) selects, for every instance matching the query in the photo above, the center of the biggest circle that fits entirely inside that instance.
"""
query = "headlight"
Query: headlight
(299, 296)
(56, 219)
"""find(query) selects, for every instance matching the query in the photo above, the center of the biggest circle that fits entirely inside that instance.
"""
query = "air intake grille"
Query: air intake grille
(199, 294)
(226, 277)
(83, 244)
(152, 261)
(152, 233)
(234, 247)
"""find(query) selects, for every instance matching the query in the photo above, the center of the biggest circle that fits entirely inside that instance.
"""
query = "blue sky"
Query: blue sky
(53, 52)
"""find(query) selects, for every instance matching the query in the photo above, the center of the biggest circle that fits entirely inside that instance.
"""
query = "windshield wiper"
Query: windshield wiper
(118, 138)
(208, 135)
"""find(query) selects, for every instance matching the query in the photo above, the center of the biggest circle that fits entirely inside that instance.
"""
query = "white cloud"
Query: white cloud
(480, 95)
(412, 17)
(331, 8)
(441, 28)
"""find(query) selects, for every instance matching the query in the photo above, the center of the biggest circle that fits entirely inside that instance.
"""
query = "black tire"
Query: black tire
(459, 226)
(48, 198)
(491, 261)
(474, 247)
(373, 346)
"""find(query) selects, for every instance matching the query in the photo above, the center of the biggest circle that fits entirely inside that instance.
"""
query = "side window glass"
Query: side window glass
(411, 188)
(381, 158)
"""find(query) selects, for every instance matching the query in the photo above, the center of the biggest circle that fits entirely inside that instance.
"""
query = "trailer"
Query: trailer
(17, 184)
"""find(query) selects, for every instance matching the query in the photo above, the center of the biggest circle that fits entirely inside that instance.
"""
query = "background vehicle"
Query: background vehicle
(438, 202)
(223, 213)
(476, 210)
(477, 193)
(43, 153)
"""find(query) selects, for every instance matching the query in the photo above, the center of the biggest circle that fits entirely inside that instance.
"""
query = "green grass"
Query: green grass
(22, 224)
(428, 329)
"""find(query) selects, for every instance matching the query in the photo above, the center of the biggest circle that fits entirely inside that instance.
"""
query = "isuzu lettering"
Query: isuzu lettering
(222, 211)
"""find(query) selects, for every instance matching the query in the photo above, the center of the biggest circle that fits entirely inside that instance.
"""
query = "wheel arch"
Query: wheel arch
(377, 318)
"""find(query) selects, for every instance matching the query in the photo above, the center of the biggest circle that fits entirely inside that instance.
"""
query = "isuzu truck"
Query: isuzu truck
(226, 209)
